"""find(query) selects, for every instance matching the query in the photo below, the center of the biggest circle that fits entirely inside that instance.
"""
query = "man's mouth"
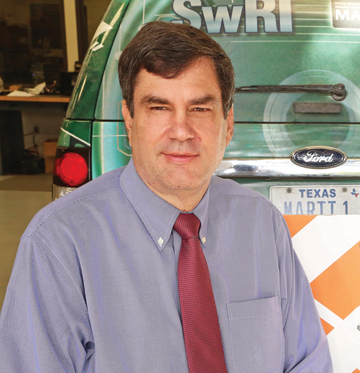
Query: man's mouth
(180, 158)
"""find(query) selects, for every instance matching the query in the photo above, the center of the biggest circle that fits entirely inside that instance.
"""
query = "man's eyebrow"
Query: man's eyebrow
(154, 100)
(203, 100)
(164, 101)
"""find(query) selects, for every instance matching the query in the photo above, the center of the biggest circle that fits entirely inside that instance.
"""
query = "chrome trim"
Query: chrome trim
(282, 168)
(59, 191)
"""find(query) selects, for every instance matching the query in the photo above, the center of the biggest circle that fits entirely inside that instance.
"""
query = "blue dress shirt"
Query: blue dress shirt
(94, 285)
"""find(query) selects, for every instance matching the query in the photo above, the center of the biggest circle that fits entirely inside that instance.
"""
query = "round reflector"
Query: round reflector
(72, 169)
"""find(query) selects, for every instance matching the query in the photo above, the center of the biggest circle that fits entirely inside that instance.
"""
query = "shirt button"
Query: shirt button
(160, 241)
(203, 239)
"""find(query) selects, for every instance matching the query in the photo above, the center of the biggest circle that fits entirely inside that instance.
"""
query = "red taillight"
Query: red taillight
(72, 169)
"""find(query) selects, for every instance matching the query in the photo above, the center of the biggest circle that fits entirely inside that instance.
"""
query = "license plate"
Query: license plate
(317, 200)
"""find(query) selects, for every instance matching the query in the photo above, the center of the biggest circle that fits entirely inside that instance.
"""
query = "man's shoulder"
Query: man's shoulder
(90, 196)
(231, 188)
(229, 198)
(99, 186)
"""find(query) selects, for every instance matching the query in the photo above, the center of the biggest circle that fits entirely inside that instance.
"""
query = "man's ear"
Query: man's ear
(127, 119)
(230, 125)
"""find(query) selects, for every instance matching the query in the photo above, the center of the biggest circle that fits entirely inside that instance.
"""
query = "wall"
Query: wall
(47, 118)
(71, 33)
(95, 11)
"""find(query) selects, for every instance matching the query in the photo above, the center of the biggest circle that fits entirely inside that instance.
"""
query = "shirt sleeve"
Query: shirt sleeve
(306, 346)
(43, 323)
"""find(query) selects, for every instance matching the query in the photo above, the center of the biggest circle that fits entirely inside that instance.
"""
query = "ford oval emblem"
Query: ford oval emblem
(318, 157)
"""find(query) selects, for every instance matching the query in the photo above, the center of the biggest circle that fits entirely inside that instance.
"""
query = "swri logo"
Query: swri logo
(318, 157)
(225, 18)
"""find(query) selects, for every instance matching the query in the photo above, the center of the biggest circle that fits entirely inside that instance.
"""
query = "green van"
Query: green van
(297, 106)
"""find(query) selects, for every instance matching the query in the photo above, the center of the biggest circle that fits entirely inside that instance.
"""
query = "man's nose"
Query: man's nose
(180, 127)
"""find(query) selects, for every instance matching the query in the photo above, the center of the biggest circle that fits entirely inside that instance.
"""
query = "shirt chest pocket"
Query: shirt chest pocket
(256, 335)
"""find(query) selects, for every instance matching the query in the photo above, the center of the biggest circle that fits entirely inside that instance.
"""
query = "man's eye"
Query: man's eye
(201, 109)
(158, 108)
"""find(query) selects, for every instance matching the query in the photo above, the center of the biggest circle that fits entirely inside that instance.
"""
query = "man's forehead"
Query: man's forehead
(200, 85)
(199, 64)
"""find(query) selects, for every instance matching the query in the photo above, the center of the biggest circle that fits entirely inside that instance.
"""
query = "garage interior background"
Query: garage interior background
(23, 26)
(21, 196)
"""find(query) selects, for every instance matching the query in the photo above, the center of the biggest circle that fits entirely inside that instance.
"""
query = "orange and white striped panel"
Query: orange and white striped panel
(329, 250)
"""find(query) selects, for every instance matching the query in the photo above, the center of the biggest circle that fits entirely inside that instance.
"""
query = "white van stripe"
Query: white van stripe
(75, 137)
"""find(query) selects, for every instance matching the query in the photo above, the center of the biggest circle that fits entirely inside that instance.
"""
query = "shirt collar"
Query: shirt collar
(157, 215)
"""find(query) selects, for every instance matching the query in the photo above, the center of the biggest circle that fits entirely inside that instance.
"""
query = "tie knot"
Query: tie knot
(187, 225)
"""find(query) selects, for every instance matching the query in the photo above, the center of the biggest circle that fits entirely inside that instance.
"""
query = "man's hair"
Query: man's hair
(167, 49)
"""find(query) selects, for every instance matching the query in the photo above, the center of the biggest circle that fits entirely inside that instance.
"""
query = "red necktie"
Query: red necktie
(204, 349)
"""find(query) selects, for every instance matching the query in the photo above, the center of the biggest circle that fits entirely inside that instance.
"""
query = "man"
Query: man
(95, 285)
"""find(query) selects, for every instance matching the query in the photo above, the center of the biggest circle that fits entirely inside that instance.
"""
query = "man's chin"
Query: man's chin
(185, 182)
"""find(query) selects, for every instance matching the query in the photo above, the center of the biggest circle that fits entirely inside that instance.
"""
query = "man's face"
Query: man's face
(178, 132)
